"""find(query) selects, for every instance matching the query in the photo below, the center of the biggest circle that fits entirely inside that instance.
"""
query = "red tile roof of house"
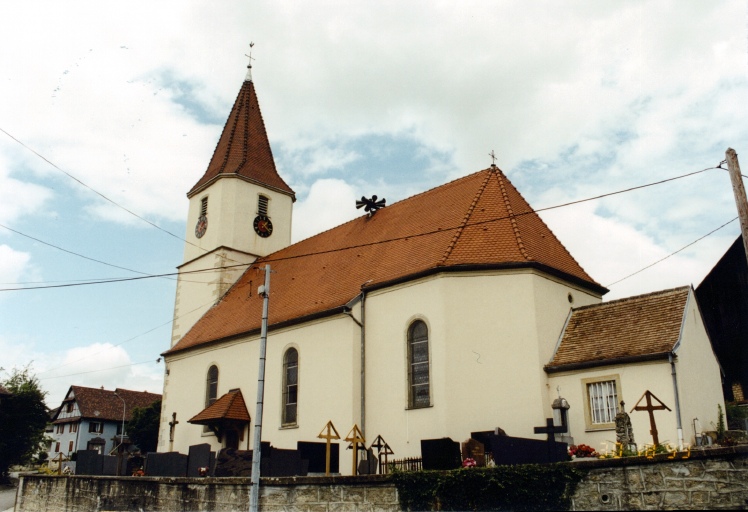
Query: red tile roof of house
(243, 150)
(479, 221)
(102, 404)
(630, 329)
(230, 406)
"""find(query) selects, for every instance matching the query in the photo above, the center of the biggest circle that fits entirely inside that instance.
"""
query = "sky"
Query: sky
(110, 112)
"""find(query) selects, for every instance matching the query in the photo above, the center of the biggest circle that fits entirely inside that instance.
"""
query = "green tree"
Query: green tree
(23, 418)
(142, 429)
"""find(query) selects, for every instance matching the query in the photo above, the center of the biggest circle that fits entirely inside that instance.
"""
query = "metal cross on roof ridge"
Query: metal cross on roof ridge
(249, 66)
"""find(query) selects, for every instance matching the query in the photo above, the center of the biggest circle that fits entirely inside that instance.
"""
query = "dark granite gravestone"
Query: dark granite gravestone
(315, 454)
(368, 465)
(516, 450)
(472, 449)
(166, 464)
(89, 462)
(440, 453)
(200, 456)
(284, 463)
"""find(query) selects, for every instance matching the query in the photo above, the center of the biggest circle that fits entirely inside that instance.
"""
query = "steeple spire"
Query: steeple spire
(243, 150)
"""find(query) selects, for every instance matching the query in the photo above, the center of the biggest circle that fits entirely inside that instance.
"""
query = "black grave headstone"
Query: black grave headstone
(198, 457)
(440, 453)
(283, 463)
(89, 462)
(315, 453)
(166, 464)
(516, 450)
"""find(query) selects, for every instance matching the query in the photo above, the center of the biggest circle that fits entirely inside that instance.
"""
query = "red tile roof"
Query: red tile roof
(230, 406)
(243, 150)
(102, 404)
(478, 221)
(626, 329)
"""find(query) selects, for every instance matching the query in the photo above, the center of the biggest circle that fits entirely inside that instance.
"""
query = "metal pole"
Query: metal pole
(122, 434)
(739, 191)
(254, 492)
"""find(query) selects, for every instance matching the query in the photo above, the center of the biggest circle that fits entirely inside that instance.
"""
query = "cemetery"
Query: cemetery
(488, 471)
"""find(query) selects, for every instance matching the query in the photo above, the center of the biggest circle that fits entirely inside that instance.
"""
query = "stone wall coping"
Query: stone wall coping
(725, 452)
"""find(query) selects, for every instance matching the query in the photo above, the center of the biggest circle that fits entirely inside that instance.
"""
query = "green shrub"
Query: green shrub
(525, 487)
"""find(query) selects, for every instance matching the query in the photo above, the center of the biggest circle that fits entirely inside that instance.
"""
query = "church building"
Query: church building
(453, 311)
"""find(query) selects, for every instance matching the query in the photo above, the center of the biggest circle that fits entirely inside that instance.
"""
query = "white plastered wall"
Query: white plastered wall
(489, 335)
(699, 377)
(634, 380)
(328, 391)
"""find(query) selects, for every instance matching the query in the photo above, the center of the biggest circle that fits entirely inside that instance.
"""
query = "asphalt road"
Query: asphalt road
(7, 497)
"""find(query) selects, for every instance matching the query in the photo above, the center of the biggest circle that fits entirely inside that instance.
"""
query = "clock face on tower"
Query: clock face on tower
(263, 226)
(202, 226)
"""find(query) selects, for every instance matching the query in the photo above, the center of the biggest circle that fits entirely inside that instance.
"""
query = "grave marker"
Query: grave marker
(650, 408)
(328, 436)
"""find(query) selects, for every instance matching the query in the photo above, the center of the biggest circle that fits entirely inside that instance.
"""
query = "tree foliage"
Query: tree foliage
(23, 418)
(142, 429)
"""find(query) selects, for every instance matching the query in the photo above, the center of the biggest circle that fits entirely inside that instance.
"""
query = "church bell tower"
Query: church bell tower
(240, 209)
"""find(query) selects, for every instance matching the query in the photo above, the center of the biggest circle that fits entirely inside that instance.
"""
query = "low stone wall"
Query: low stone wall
(715, 479)
(710, 479)
(38, 493)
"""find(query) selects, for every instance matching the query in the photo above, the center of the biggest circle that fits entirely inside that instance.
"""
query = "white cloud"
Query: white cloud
(13, 264)
(94, 365)
(314, 214)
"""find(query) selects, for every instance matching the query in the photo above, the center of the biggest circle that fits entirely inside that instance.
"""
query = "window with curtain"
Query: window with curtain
(419, 394)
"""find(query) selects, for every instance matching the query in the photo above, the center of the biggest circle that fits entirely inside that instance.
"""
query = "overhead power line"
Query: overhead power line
(368, 244)
(672, 253)
(111, 201)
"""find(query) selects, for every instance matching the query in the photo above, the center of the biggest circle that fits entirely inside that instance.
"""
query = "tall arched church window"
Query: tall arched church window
(262, 205)
(211, 386)
(419, 394)
(290, 385)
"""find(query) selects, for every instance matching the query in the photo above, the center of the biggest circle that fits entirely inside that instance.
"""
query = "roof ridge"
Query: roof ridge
(465, 219)
(634, 297)
(239, 101)
(512, 218)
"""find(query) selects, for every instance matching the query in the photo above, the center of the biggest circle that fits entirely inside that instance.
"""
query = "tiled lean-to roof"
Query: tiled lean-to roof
(619, 331)
(478, 221)
(243, 150)
(230, 406)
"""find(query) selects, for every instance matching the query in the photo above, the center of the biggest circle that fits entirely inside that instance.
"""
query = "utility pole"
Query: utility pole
(254, 492)
(740, 200)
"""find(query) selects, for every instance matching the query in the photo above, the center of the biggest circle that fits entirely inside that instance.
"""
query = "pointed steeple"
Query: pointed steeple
(243, 149)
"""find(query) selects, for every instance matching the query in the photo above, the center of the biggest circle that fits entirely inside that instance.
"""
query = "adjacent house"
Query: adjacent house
(453, 311)
(92, 419)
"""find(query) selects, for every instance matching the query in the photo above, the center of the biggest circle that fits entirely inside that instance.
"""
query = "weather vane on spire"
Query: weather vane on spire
(249, 66)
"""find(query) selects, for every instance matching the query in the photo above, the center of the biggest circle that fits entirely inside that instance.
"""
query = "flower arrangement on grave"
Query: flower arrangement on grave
(469, 463)
(578, 451)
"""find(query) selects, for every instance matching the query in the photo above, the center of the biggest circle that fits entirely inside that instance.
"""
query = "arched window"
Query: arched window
(418, 365)
(290, 385)
(211, 386)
